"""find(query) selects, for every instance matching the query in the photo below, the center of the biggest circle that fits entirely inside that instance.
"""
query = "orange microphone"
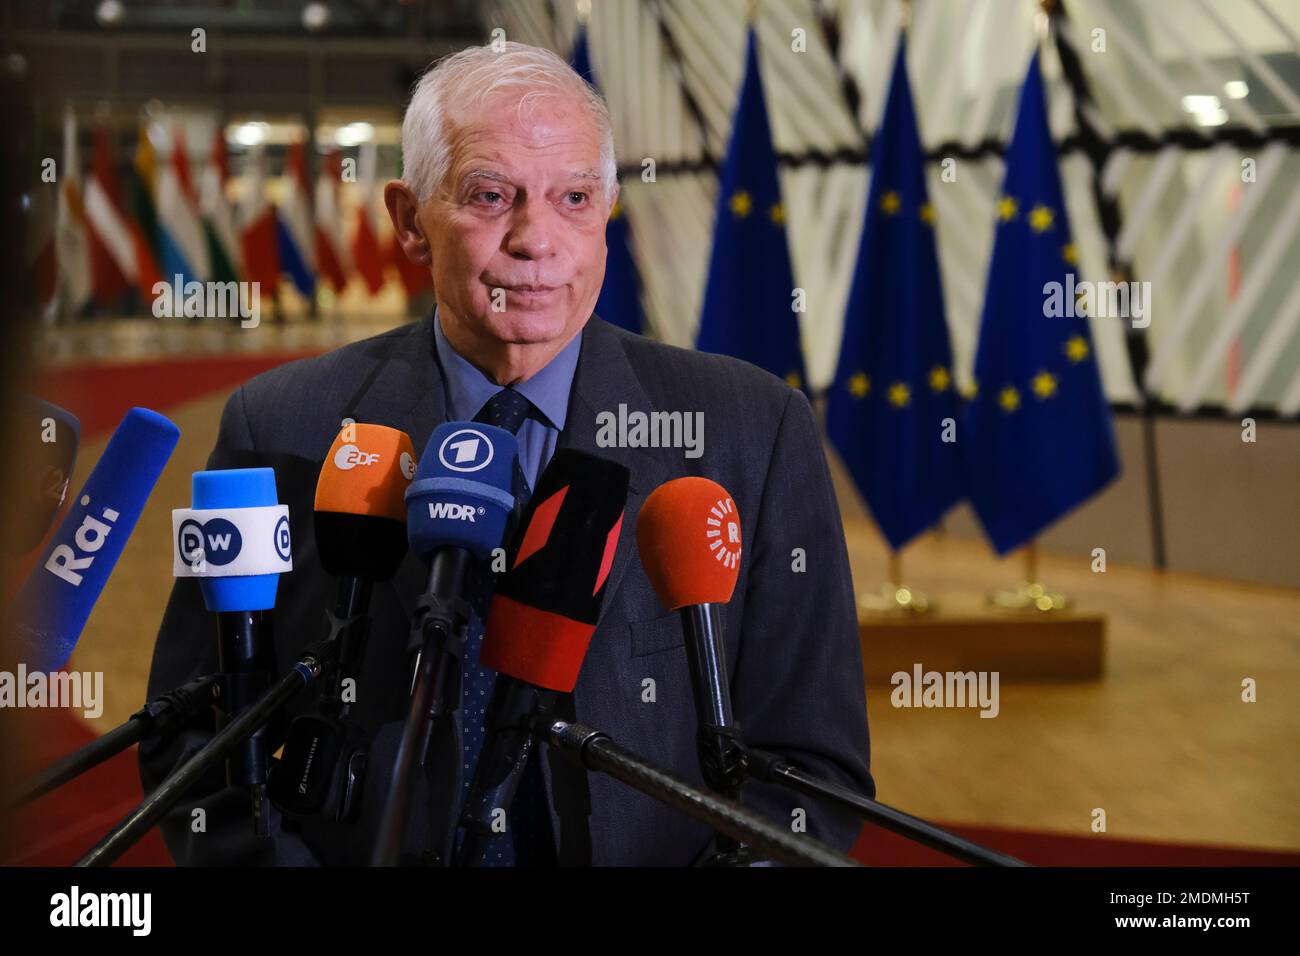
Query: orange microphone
(360, 518)
(360, 525)
(688, 533)
(689, 537)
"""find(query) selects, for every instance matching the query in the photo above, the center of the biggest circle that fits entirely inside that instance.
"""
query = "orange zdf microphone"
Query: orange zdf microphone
(360, 525)
(544, 612)
(688, 534)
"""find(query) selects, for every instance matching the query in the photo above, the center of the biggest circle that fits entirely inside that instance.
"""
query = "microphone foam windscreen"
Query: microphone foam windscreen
(360, 517)
(688, 534)
(461, 496)
(231, 490)
(546, 606)
(57, 598)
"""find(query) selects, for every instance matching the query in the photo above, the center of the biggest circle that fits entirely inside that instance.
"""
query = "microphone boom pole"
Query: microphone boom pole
(594, 750)
(242, 727)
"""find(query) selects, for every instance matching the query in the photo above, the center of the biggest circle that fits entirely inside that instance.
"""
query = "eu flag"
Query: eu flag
(1038, 433)
(891, 413)
(749, 299)
(620, 296)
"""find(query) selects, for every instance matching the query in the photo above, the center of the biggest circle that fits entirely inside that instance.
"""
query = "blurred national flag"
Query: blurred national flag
(1038, 436)
(620, 295)
(180, 226)
(295, 235)
(892, 409)
(367, 254)
(748, 303)
(218, 216)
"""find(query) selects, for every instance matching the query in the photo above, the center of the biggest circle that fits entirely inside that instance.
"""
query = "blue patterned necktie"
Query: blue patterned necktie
(528, 840)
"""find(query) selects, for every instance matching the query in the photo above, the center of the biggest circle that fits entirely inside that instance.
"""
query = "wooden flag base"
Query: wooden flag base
(1022, 648)
(895, 597)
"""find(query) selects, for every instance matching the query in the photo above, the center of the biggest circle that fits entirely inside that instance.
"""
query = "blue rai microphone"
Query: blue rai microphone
(57, 598)
(458, 509)
(236, 541)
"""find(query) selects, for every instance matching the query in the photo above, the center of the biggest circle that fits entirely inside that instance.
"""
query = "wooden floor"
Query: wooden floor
(1163, 744)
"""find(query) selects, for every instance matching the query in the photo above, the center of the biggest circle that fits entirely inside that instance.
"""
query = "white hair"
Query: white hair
(467, 78)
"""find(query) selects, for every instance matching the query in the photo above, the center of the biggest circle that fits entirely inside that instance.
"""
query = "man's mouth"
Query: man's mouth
(530, 288)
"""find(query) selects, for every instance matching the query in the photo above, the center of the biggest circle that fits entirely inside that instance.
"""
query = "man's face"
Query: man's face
(517, 227)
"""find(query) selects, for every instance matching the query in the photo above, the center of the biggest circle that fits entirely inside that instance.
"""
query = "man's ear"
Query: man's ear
(403, 209)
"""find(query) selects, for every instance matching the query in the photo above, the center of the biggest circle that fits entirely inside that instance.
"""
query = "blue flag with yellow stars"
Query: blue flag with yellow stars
(1038, 437)
(620, 295)
(749, 300)
(891, 412)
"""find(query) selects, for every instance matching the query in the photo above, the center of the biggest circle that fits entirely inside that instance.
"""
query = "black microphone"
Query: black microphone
(544, 611)
(360, 524)
(458, 508)
(44, 453)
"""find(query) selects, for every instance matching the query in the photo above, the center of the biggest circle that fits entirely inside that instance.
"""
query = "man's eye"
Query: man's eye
(576, 198)
(488, 196)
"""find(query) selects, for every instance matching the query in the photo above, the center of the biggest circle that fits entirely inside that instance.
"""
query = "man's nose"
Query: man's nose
(531, 233)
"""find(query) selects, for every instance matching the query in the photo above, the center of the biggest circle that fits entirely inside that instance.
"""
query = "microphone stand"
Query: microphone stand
(718, 738)
(771, 768)
(594, 750)
(237, 731)
(161, 717)
(438, 630)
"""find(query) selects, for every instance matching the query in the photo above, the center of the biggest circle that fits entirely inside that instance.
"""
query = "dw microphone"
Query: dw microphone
(360, 524)
(235, 540)
(543, 614)
(457, 510)
(58, 596)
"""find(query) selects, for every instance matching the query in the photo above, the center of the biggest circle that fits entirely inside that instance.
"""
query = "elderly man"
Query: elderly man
(509, 179)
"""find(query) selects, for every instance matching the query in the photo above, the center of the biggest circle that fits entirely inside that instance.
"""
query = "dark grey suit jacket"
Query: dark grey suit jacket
(792, 646)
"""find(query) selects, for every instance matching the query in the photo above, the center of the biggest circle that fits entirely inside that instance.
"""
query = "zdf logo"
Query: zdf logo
(349, 456)
(465, 449)
(65, 562)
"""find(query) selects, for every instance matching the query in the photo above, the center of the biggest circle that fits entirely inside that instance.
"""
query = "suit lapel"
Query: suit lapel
(405, 390)
(604, 380)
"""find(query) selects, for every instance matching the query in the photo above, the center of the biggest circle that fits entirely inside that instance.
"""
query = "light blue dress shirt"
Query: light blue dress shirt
(468, 389)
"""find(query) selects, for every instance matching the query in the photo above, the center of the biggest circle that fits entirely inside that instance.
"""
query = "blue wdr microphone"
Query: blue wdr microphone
(235, 540)
(457, 511)
(461, 496)
(58, 596)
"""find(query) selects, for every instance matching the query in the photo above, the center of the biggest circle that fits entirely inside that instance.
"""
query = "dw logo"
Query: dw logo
(216, 541)
(281, 537)
(465, 450)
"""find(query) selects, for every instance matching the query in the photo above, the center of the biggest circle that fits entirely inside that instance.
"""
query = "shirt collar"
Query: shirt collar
(468, 389)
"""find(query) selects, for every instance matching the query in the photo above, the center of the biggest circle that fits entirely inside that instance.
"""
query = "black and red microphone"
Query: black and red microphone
(543, 615)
